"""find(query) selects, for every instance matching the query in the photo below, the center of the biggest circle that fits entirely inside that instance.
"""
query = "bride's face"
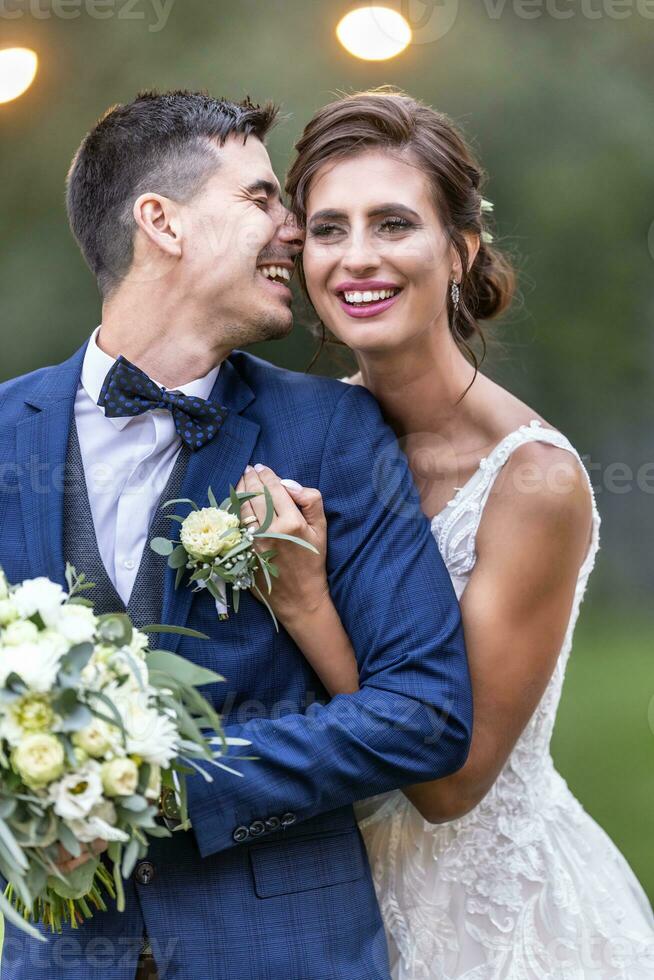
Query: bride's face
(377, 261)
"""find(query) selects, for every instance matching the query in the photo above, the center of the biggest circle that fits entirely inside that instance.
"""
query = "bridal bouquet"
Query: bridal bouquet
(218, 548)
(94, 726)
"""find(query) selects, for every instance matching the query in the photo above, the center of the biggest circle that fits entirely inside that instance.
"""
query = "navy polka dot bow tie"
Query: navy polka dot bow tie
(129, 391)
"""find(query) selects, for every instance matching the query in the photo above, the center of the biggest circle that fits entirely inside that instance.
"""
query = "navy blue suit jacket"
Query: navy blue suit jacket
(273, 881)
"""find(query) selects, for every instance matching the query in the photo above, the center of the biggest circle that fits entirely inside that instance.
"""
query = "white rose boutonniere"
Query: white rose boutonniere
(219, 550)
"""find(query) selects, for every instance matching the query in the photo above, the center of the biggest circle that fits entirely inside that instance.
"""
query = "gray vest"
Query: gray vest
(81, 546)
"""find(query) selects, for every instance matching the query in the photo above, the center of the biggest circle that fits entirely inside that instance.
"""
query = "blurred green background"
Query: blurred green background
(557, 100)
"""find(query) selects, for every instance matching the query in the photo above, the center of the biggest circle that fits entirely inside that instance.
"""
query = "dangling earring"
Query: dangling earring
(455, 293)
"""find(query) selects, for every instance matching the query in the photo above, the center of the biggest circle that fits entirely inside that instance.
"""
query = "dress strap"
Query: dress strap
(490, 466)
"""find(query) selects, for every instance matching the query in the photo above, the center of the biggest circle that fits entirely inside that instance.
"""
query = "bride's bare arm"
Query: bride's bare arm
(515, 608)
(300, 596)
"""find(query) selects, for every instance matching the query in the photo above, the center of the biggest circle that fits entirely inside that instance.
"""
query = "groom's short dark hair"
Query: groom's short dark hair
(161, 142)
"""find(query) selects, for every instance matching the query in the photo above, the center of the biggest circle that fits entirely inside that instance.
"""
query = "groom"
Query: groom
(177, 211)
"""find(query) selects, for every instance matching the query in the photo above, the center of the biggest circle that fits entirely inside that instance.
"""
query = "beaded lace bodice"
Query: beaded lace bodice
(481, 897)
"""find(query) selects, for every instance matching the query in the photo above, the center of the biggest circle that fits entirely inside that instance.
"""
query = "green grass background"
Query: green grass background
(603, 743)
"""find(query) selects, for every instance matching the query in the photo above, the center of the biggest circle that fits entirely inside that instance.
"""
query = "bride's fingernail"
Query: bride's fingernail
(293, 484)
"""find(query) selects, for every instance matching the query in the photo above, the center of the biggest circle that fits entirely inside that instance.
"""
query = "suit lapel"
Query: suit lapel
(41, 444)
(217, 465)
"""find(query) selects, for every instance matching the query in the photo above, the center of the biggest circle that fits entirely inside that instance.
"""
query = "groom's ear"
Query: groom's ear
(160, 220)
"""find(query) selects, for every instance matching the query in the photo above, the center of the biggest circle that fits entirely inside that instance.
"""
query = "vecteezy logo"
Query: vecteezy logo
(429, 20)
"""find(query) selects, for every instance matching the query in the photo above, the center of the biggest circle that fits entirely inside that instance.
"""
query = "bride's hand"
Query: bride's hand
(302, 585)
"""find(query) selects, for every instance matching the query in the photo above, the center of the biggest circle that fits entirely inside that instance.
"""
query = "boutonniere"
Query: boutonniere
(218, 549)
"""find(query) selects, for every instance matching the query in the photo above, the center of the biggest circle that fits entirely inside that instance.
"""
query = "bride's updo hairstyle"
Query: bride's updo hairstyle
(388, 119)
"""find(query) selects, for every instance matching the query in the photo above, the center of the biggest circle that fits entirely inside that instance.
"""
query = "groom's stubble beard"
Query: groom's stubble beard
(267, 326)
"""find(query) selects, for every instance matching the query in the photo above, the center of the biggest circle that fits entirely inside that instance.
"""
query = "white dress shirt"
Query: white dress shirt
(127, 463)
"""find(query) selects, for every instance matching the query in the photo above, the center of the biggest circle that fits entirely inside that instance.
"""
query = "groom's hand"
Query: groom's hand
(302, 585)
(67, 863)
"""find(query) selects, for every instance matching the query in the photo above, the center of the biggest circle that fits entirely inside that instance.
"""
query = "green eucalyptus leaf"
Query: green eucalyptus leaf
(68, 839)
(78, 883)
(180, 669)
(181, 500)
(267, 605)
(115, 628)
(178, 557)
(212, 499)
(288, 537)
(162, 546)
(270, 511)
(178, 630)
(134, 804)
(130, 857)
(18, 920)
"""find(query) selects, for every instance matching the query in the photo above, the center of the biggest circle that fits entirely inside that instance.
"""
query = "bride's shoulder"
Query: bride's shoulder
(533, 465)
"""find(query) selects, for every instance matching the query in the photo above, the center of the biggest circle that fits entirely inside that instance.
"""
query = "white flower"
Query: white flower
(76, 623)
(20, 631)
(150, 734)
(99, 823)
(202, 531)
(38, 759)
(97, 738)
(75, 795)
(120, 777)
(35, 663)
(139, 643)
(8, 611)
(31, 713)
(39, 595)
(124, 663)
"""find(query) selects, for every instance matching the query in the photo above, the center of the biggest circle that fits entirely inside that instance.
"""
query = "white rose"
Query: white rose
(120, 777)
(38, 759)
(97, 738)
(20, 631)
(8, 611)
(75, 795)
(99, 823)
(39, 595)
(28, 714)
(35, 663)
(76, 623)
(202, 531)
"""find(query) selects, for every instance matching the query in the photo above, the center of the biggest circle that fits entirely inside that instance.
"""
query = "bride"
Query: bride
(495, 872)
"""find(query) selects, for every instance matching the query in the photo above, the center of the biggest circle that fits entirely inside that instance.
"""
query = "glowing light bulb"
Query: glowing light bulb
(18, 68)
(374, 33)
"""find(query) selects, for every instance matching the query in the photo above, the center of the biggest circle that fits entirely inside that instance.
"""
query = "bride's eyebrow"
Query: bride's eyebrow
(329, 214)
(385, 210)
(382, 211)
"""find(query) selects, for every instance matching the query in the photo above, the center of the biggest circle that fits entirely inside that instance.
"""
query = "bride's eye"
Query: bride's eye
(325, 230)
(395, 224)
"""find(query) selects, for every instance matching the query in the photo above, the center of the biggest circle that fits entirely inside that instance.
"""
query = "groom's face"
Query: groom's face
(240, 245)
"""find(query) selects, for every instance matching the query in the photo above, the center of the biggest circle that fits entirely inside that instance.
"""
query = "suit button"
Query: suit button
(257, 828)
(144, 872)
(241, 834)
(288, 819)
(272, 823)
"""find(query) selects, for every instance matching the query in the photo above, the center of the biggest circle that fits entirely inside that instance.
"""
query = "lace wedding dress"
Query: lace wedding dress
(526, 886)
